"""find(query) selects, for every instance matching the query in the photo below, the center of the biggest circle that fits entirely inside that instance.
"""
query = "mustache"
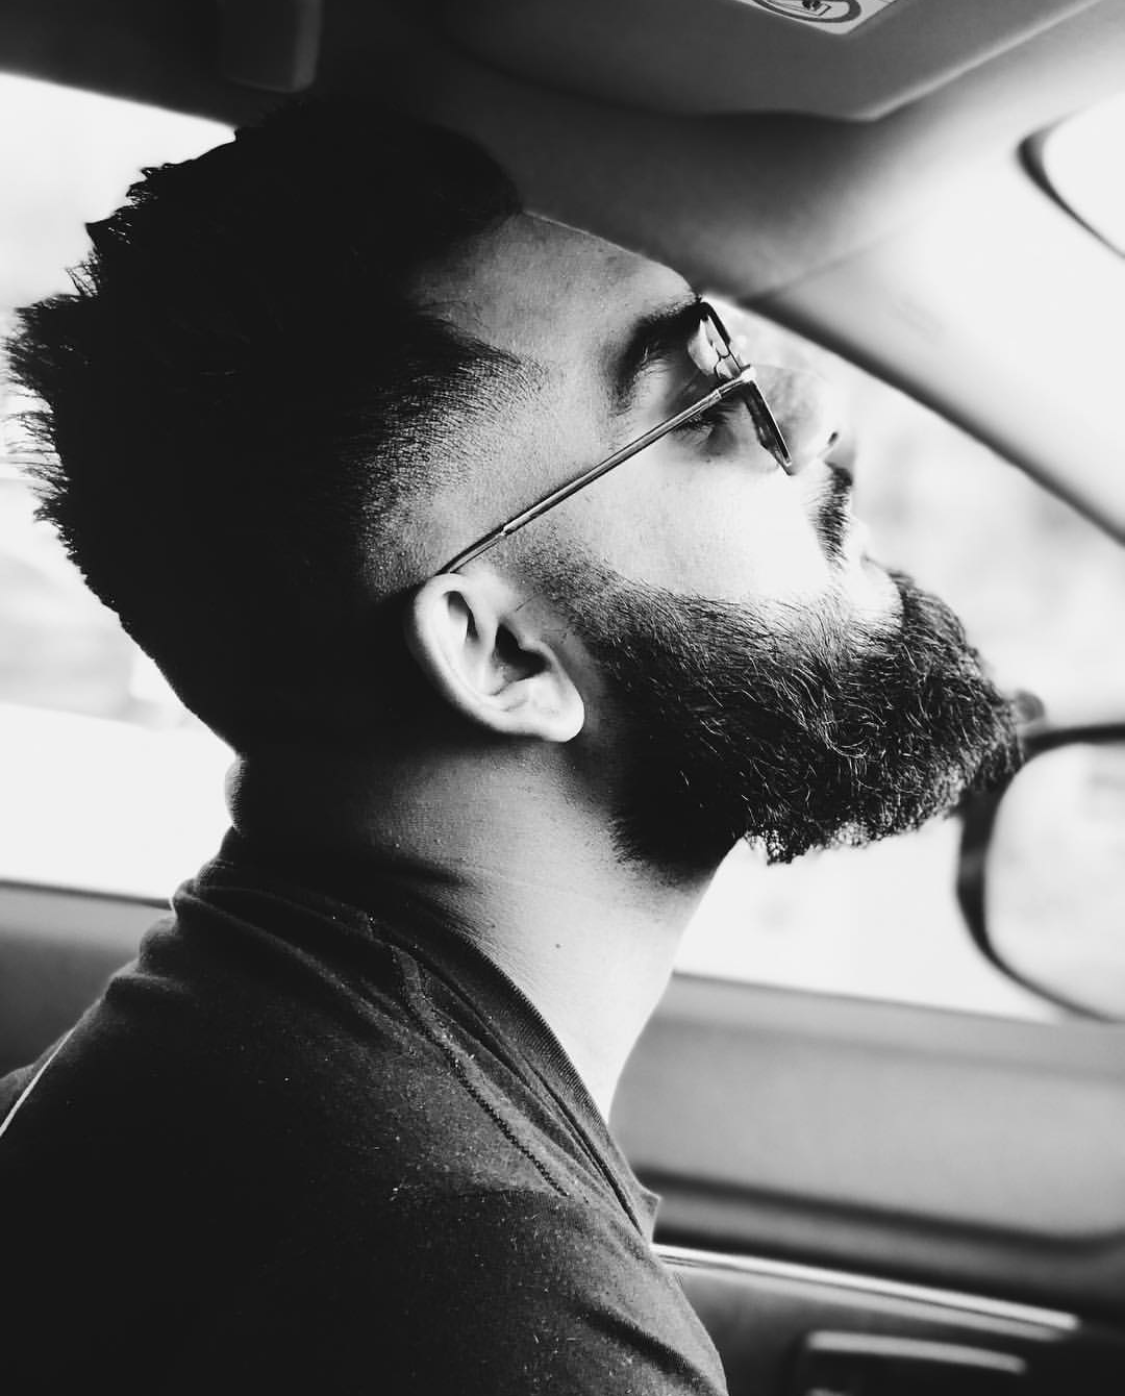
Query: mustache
(834, 517)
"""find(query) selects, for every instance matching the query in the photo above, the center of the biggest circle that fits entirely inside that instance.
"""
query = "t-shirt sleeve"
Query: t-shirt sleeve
(483, 1295)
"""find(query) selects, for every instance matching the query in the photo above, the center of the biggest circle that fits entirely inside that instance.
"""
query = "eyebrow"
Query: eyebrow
(655, 339)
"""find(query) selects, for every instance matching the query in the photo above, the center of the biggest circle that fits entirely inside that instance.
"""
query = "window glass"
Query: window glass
(108, 783)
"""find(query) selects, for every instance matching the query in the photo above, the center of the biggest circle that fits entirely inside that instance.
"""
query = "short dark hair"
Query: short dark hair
(240, 390)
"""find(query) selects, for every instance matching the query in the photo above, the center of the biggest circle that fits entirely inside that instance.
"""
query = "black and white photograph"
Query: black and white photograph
(562, 697)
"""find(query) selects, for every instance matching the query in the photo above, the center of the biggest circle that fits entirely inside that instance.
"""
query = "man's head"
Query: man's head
(302, 373)
(243, 391)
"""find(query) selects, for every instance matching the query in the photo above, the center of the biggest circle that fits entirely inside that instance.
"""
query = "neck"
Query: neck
(523, 865)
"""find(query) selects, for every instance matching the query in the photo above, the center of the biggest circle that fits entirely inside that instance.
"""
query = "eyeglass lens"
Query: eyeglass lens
(715, 355)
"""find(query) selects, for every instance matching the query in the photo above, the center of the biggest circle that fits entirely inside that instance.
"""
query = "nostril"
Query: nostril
(840, 453)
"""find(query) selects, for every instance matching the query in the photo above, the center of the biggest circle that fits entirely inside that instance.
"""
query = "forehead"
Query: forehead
(546, 292)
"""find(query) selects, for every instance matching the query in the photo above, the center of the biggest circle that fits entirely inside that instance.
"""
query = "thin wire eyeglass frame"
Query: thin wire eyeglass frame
(736, 376)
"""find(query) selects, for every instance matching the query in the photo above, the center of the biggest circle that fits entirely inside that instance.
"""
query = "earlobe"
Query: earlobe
(481, 652)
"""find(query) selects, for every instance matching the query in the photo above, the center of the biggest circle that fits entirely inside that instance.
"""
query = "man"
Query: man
(521, 599)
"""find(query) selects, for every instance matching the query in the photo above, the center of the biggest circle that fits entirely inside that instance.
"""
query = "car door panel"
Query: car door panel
(833, 1165)
(795, 1330)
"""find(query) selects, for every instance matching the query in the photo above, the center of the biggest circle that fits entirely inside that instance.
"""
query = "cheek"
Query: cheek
(723, 536)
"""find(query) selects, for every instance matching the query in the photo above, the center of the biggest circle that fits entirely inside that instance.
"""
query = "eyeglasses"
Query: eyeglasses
(711, 350)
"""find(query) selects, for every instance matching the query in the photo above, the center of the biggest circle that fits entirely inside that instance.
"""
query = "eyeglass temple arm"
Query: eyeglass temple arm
(541, 506)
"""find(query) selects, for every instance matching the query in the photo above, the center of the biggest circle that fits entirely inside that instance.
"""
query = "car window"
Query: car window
(108, 783)
(111, 785)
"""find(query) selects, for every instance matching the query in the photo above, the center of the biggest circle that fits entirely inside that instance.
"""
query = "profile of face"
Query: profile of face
(758, 675)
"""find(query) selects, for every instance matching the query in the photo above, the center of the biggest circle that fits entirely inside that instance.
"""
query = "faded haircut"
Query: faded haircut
(240, 395)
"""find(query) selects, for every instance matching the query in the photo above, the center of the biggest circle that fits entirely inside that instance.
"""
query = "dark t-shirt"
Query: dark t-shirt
(318, 1143)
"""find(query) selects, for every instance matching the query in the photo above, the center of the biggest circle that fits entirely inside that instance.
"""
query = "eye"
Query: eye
(709, 423)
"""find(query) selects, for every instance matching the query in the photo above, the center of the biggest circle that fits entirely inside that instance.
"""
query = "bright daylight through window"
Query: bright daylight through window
(92, 742)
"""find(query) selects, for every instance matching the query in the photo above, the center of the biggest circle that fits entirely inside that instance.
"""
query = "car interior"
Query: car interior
(860, 1194)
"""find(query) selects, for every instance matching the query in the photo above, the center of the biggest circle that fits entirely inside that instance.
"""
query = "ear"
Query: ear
(488, 662)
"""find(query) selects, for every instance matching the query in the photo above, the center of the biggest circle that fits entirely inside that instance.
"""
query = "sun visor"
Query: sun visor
(842, 58)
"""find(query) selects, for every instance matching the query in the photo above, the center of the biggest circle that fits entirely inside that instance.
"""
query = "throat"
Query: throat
(594, 966)
(509, 860)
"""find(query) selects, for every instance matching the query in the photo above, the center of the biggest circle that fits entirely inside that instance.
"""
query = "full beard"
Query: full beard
(817, 735)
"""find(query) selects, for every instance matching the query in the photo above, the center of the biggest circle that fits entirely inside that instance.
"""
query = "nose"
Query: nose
(810, 411)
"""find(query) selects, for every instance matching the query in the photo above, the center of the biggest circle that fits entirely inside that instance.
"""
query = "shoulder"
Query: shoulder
(494, 1292)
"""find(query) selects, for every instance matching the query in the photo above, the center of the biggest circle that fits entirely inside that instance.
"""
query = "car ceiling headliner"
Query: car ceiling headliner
(697, 188)
(761, 205)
